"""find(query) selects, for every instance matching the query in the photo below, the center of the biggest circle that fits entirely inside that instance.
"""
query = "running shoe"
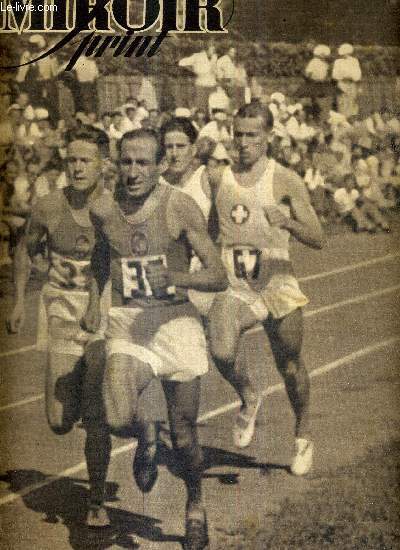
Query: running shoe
(145, 469)
(244, 425)
(303, 458)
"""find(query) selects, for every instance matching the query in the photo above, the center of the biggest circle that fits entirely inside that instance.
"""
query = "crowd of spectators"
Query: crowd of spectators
(350, 163)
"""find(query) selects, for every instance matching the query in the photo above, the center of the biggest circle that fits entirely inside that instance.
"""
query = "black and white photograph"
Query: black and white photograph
(199, 274)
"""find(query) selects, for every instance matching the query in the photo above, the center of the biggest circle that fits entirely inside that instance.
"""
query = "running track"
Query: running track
(351, 349)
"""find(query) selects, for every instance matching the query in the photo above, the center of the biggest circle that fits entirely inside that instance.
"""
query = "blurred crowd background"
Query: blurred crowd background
(336, 116)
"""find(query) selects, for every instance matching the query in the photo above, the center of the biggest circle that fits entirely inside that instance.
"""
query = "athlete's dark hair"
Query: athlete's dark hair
(142, 133)
(257, 110)
(91, 135)
(179, 124)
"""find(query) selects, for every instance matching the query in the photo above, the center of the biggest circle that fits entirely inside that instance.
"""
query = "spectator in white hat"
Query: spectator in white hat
(346, 67)
(318, 84)
(292, 125)
(23, 101)
(204, 66)
(131, 120)
(115, 131)
(232, 76)
(38, 127)
(278, 108)
(218, 129)
(226, 67)
(16, 118)
(317, 69)
(84, 87)
(182, 112)
(218, 100)
(278, 98)
(38, 79)
(296, 126)
(147, 94)
(5, 98)
(347, 73)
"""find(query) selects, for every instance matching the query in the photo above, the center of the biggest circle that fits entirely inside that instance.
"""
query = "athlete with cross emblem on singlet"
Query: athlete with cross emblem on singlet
(260, 205)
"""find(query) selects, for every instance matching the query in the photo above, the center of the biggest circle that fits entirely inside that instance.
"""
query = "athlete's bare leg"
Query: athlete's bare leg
(228, 318)
(125, 379)
(73, 388)
(286, 338)
(63, 383)
(98, 438)
(63, 377)
(183, 399)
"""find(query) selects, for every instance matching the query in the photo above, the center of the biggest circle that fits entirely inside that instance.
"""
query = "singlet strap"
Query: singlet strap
(267, 182)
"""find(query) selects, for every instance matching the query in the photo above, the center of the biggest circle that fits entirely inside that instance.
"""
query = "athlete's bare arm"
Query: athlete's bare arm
(22, 267)
(212, 278)
(100, 265)
(303, 224)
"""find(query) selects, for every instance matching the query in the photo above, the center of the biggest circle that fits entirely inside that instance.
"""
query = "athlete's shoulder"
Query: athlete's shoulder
(104, 206)
(288, 179)
(183, 213)
(49, 205)
(54, 198)
(181, 202)
(283, 172)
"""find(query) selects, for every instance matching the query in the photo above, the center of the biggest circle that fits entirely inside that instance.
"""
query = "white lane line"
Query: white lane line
(315, 276)
(203, 418)
(350, 267)
(81, 467)
(337, 305)
(355, 300)
(16, 351)
(258, 328)
(314, 373)
(22, 402)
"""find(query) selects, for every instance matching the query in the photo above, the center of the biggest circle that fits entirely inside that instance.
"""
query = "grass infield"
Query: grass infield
(354, 507)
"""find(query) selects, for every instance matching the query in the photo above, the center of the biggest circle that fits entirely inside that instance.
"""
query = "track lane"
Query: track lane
(330, 288)
(354, 326)
(349, 410)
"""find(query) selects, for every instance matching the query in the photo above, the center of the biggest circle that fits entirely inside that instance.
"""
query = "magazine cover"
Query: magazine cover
(199, 291)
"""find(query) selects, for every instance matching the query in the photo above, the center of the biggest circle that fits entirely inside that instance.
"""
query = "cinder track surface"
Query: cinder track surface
(351, 348)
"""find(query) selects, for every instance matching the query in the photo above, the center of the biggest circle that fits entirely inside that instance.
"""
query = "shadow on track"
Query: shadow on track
(214, 457)
(65, 501)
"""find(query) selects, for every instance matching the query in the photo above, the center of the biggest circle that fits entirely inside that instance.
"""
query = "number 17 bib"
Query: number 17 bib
(134, 279)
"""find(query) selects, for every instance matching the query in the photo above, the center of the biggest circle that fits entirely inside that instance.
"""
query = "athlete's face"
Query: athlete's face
(83, 164)
(179, 152)
(250, 138)
(138, 165)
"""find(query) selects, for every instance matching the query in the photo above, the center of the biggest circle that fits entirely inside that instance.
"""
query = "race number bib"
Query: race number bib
(246, 262)
(134, 280)
(69, 273)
